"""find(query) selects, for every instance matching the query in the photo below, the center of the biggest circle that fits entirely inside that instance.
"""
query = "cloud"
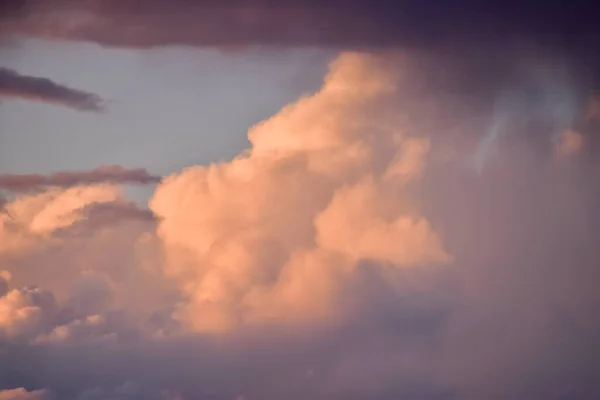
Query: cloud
(351, 252)
(22, 394)
(298, 23)
(3, 210)
(31, 315)
(593, 111)
(57, 235)
(569, 142)
(239, 253)
(15, 85)
(95, 216)
(113, 174)
(4, 279)
(24, 311)
(127, 391)
(36, 216)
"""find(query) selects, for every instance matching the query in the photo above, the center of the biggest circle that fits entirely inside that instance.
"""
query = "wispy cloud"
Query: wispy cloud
(94, 216)
(113, 174)
(15, 85)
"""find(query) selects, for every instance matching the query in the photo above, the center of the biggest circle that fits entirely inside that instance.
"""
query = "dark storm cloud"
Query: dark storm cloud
(15, 85)
(352, 23)
(113, 174)
(486, 29)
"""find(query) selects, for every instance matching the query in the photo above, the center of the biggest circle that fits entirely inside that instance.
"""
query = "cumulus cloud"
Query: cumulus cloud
(351, 252)
(23, 312)
(15, 85)
(111, 174)
(36, 216)
(22, 394)
(32, 315)
(89, 247)
(241, 253)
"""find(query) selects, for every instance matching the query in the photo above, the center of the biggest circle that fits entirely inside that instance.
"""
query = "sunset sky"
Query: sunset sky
(299, 200)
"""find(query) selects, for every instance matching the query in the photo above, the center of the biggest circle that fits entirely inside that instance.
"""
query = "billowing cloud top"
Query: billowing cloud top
(352, 252)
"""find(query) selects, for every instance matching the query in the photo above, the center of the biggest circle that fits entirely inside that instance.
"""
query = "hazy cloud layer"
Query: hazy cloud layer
(13, 84)
(23, 394)
(112, 174)
(127, 391)
(354, 251)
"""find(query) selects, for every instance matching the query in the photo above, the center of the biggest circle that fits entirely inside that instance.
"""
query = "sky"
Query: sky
(299, 200)
(188, 90)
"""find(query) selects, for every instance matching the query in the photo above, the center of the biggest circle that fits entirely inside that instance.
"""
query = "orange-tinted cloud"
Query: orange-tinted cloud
(126, 390)
(60, 236)
(25, 312)
(569, 143)
(273, 235)
(351, 252)
(35, 217)
(23, 394)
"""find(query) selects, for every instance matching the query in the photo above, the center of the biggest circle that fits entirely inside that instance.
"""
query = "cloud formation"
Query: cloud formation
(351, 252)
(127, 391)
(248, 258)
(95, 216)
(22, 394)
(112, 174)
(351, 25)
(15, 85)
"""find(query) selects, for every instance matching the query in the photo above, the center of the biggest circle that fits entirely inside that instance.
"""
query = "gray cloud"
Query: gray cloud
(570, 28)
(297, 23)
(113, 174)
(3, 210)
(98, 215)
(13, 84)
